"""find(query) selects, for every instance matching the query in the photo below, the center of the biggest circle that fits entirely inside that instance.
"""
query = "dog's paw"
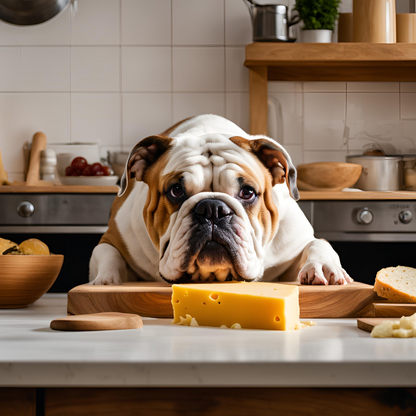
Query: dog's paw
(323, 274)
(107, 279)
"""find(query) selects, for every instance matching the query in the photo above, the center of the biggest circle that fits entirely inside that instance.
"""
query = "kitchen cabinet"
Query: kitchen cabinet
(322, 62)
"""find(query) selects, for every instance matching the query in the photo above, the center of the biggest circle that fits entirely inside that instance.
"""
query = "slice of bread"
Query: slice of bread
(397, 284)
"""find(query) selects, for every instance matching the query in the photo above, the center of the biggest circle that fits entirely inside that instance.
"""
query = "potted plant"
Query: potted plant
(319, 17)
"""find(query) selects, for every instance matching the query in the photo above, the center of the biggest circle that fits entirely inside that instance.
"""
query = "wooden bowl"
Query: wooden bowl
(24, 279)
(327, 176)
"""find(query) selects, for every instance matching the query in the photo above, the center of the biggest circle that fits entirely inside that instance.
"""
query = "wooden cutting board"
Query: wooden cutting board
(107, 321)
(367, 324)
(153, 299)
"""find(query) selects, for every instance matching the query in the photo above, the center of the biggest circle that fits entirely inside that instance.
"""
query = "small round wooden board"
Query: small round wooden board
(105, 321)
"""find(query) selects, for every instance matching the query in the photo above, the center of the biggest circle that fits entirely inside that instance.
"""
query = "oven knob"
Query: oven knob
(405, 217)
(364, 216)
(25, 209)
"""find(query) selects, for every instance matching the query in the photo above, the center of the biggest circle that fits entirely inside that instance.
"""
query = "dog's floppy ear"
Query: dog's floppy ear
(275, 158)
(146, 152)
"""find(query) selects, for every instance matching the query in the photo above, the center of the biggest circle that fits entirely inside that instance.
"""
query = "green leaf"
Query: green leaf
(318, 14)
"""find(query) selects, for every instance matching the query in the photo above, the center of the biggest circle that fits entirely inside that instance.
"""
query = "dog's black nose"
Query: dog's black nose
(213, 209)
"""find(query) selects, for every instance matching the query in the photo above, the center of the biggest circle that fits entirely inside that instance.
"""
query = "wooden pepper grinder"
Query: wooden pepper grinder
(38, 144)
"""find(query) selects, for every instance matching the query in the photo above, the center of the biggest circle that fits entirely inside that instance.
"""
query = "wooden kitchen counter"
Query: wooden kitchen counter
(357, 196)
(59, 189)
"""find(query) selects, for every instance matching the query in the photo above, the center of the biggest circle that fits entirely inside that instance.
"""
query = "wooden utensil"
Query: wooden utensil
(327, 176)
(38, 144)
(3, 173)
(108, 321)
(154, 299)
(367, 324)
(374, 21)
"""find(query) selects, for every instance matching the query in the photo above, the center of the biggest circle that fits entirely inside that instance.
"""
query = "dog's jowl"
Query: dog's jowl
(206, 201)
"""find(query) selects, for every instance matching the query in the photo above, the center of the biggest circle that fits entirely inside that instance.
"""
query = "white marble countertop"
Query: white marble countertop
(334, 353)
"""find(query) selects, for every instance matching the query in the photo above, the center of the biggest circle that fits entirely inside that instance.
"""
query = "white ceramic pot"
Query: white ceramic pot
(316, 36)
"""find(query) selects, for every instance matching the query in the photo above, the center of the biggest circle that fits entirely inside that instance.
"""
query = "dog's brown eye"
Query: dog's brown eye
(247, 193)
(177, 191)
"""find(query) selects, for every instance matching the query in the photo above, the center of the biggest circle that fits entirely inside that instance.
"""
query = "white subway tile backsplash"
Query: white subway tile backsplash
(313, 156)
(188, 105)
(295, 152)
(324, 86)
(236, 74)
(284, 86)
(408, 105)
(287, 109)
(408, 87)
(96, 118)
(121, 70)
(97, 22)
(323, 124)
(147, 69)
(237, 109)
(10, 69)
(146, 22)
(95, 69)
(198, 69)
(198, 22)
(45, 68)
(373, 113)
(10, 35)
(144, 115)
(238, 29)
(22, 115)
(53, 32)
(373, 86)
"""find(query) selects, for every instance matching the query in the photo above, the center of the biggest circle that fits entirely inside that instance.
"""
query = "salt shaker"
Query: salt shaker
(48, 165)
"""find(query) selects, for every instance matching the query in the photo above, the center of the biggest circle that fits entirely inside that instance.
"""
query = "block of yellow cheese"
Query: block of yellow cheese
(251, 305)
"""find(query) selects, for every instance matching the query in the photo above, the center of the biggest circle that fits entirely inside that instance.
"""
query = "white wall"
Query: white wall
(123, 69)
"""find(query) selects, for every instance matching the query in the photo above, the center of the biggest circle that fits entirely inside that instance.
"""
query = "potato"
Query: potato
(34, 247)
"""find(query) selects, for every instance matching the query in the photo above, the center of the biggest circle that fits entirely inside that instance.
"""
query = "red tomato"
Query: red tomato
(87, 171)
(68, 171)
(95, 168)
(107, 171)
(79, 164)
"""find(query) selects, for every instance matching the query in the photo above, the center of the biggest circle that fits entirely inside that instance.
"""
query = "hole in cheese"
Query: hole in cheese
(276, 318)
(177, 301)
(213, 296)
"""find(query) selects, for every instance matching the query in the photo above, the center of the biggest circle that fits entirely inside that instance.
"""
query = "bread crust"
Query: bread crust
(389, 292)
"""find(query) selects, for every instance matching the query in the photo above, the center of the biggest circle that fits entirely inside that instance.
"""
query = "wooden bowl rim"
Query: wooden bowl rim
(339, 164)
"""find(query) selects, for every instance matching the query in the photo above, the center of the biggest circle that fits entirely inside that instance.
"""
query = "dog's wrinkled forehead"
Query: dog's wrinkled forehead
(210, 162)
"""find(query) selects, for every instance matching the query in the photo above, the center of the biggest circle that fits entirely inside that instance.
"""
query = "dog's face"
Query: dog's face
(210, 209)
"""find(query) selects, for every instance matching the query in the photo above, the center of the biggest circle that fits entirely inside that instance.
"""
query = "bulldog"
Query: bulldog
(205, 201)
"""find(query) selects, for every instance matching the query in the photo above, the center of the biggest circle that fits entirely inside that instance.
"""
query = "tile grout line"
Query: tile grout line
(171, 64)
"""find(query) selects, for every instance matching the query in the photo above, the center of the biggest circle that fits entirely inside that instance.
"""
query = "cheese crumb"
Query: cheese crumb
(223, 327)
(235, 326)
(188, 321)
(405, 328)
(304, 324)
(402, 333)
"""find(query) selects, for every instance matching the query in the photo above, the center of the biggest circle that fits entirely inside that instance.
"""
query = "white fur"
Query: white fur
(210, 162)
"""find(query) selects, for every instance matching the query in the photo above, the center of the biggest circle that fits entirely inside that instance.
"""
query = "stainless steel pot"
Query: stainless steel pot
(33, 12)
(380, 173)
(270, 22)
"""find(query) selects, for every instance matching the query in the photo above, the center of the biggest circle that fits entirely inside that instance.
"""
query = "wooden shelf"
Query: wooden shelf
(62, 189)
(357, 196)
(334, 61)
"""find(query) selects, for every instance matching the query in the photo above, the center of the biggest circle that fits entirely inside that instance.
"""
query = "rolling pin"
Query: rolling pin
(33, 173)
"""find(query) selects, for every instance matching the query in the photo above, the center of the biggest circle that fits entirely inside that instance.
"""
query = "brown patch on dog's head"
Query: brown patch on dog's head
(275, 158)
